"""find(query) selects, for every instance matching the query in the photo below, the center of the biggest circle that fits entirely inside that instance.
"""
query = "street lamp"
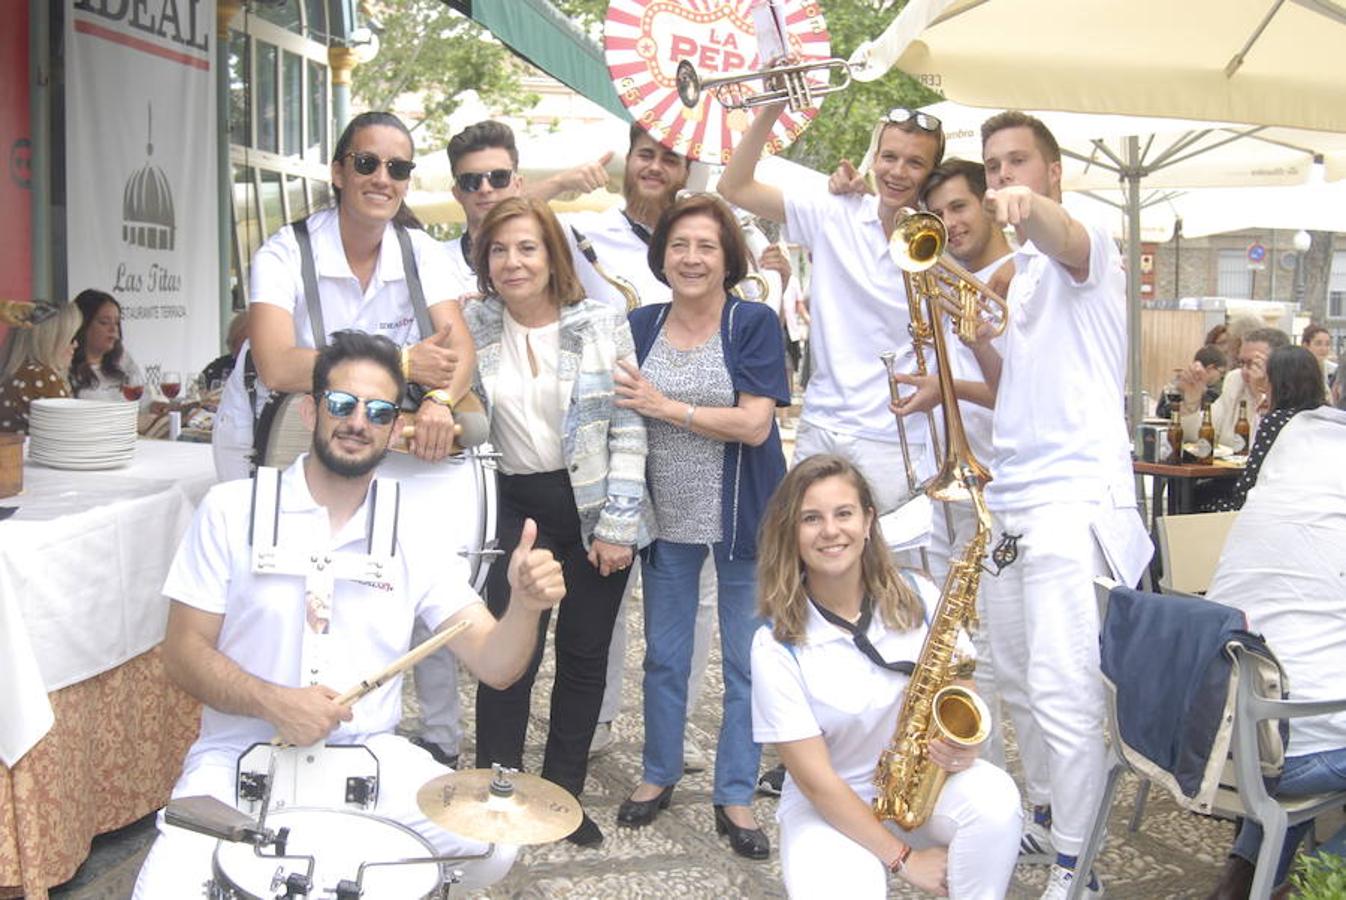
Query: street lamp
(1302, 241)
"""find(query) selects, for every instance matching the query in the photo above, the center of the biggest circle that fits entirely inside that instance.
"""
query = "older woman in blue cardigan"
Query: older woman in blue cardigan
(570, 458)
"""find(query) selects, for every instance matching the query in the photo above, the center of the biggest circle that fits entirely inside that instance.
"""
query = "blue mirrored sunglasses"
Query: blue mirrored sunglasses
(341, 405)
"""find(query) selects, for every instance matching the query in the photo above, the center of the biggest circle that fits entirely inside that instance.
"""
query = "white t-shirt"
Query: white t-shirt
(826, 686)
(858, 306)
(461, 279)
(620, 251)
(264, 623)
(1284, 565)
(1059, 432)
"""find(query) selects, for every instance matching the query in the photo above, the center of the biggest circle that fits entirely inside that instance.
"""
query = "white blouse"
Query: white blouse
(526, 419)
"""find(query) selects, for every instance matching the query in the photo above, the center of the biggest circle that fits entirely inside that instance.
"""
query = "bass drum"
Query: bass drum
(338, 842)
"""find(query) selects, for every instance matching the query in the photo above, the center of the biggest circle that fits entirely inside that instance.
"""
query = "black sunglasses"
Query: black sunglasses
(368, 163)
(900, 115)
(470, 182)
(341, 405)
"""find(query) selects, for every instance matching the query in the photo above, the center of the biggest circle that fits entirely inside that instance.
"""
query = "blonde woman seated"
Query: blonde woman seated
(826, 691)
(39, 358)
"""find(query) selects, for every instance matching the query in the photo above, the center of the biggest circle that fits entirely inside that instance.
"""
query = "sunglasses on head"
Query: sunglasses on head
(470, 182)
(342, 405)
(901, 115)
(368, 163)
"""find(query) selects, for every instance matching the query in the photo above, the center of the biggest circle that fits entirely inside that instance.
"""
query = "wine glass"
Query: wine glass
(133, 386)
(170, 383)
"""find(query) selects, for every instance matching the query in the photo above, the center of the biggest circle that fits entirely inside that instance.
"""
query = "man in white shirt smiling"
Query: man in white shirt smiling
(268, 660)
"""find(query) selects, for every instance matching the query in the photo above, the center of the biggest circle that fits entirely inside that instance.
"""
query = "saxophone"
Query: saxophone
(934, 706)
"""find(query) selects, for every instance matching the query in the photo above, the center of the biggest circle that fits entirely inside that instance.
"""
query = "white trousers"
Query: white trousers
(881, 462)
(1043, 628)
(706, 612)
(940, 550)
(437, 692)
(180, 860)
(978, 817)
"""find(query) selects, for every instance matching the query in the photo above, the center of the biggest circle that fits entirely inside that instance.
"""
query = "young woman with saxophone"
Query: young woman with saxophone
(828, 683)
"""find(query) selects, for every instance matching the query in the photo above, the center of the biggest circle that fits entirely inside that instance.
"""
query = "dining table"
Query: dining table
(92, 732)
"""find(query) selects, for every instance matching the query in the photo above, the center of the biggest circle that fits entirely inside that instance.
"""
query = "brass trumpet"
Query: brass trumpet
(917, 247)
(789, 83)
(25, 313)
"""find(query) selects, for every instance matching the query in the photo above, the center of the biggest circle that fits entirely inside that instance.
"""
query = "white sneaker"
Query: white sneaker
(602, 740)
(1035, 844)
(693, 757)
(1060, 881)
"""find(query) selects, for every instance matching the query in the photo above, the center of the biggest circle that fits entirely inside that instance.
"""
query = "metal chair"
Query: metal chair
(1252, 756)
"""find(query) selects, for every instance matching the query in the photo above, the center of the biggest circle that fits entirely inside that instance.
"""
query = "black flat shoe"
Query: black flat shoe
(587, 834)
(639, 813)
(747, 842)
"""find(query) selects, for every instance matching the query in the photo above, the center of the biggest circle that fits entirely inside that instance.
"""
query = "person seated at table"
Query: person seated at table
(218, 370)
(1294, 384)
(1282, 565)
(827, 689)
(1318, 341)
(101, 364)
(1214, 363)
(236, 638)
(39, 358)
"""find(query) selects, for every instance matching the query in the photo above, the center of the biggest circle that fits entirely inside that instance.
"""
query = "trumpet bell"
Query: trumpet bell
(688, 84)
(918, 241)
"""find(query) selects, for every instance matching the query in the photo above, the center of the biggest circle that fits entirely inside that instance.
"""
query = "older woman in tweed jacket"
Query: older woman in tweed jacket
(570, 459)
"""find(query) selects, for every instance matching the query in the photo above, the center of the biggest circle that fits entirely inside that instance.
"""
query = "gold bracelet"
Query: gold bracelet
(406, 363)
(440, 396)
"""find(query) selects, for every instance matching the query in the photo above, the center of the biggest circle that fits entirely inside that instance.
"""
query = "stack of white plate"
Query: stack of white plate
(81, 434)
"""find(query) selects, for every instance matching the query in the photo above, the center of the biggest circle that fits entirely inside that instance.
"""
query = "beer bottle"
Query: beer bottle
(1205, 439)
(1175, 435)
(1241, 431)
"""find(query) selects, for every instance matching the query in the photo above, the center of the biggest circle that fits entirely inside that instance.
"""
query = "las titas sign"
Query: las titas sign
(141, 171)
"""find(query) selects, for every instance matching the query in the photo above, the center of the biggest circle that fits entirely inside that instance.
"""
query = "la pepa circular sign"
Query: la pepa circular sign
(645, 40)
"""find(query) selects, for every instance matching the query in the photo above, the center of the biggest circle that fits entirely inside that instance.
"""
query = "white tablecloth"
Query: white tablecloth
(82, 565)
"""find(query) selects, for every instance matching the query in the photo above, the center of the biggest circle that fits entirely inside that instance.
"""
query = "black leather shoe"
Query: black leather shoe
(1236, 881)
(442, 756)
(639, 813)
(587, 834)
(748, 842)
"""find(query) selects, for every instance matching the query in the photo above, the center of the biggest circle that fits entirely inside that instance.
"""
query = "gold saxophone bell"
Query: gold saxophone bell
(789, 83)
(753, 287)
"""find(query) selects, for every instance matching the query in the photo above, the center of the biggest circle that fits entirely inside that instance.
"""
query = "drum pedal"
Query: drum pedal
(252, 785)
(362, 790)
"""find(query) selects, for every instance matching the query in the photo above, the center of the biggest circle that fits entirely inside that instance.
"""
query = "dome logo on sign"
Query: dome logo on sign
(147, 203)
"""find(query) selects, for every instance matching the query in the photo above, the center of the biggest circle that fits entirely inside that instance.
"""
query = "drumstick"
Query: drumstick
(404, 662)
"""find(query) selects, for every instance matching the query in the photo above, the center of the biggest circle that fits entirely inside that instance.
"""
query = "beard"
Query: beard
(642, 207)
(345, 466)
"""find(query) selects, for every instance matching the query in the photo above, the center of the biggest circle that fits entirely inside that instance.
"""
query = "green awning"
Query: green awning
(541, 35)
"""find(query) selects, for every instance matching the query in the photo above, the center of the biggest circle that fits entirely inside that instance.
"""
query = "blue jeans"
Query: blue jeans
(1317, 773)
(671, 573)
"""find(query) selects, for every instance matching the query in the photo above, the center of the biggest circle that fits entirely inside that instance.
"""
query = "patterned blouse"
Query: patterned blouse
(31, 381)
(1267, 430)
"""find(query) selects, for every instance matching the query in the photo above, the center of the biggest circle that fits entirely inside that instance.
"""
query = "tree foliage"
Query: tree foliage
(429, 50)
(844, 125)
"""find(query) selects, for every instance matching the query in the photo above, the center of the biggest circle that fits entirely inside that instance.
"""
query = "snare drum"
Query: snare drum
(338, 841)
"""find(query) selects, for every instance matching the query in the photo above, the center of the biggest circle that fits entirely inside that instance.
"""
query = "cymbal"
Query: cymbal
(504, 808)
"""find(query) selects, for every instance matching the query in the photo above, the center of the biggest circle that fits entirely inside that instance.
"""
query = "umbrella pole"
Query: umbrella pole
(1132, 173)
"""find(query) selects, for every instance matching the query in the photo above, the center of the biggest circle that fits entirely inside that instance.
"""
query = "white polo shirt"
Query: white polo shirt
(620, 251)
(826, 686)
(1284, 565)
(264, 624)
(858, 305)
(461, 279)
(1059, 432)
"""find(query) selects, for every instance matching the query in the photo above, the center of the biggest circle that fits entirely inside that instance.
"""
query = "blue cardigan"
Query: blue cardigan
(754, 353)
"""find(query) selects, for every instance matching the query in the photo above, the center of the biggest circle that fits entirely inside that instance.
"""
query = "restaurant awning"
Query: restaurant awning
(543, 37)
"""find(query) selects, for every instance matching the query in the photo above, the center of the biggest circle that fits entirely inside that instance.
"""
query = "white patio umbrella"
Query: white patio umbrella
(1266, 65)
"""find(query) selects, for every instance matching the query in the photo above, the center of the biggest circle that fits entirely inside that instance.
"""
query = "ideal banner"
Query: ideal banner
(16, 183)
(142, 200)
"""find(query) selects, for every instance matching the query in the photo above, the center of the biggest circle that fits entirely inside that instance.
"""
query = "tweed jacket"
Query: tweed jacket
(603, 444)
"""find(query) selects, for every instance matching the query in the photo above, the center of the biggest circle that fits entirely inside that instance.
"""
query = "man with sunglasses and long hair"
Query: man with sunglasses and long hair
(361, 282)
(858, 301)
(268, 653)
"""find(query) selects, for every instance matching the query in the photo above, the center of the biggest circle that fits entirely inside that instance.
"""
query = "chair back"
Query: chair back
(1191, 547)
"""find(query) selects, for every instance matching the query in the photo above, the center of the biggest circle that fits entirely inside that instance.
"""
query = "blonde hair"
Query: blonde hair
(44, 342)
(782, 594)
